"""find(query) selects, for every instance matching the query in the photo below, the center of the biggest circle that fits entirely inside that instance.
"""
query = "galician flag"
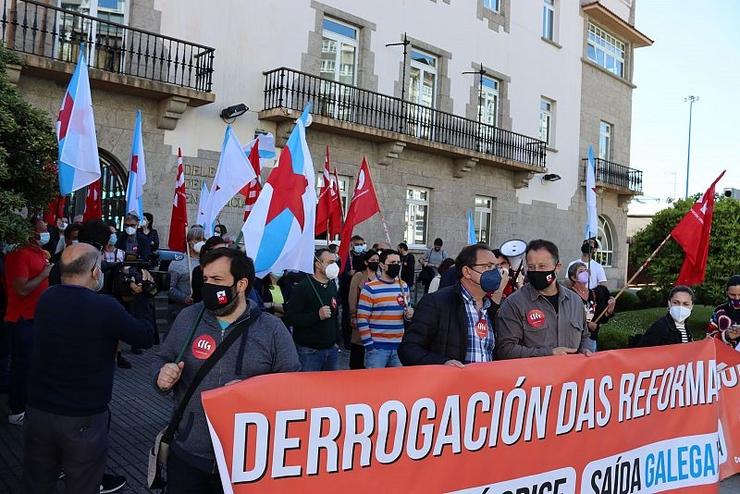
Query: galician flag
(137, 172)
(279, 233)
(79, 164)
(233, 173)
(591, 230)
(472, 238)
(202, 201)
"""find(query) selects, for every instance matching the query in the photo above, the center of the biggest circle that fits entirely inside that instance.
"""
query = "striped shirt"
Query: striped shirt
(479, 349)
(681, 327)
(380, 313)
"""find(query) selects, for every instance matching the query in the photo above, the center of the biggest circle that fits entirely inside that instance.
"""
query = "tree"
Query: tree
(724, 248)
(28, 150)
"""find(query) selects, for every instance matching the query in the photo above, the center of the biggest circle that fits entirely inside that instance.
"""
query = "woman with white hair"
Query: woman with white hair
(180, 293)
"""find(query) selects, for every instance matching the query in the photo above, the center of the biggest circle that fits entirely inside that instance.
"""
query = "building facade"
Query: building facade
(487, 105)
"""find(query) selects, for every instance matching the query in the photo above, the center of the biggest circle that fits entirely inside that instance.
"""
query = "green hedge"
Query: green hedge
(616, 333)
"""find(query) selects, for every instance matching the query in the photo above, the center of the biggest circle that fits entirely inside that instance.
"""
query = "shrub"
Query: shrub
(626, 302)
(651, 297)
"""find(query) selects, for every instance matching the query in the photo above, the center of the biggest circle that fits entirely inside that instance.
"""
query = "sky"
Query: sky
(696, 51)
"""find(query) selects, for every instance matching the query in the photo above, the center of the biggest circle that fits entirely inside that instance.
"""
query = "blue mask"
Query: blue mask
(490, 280)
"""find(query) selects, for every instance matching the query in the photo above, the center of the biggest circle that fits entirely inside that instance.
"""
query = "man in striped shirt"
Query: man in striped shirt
(381, 313)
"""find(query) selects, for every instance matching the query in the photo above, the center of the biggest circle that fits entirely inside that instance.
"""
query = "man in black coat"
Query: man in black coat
(132, 241)
(454, 326)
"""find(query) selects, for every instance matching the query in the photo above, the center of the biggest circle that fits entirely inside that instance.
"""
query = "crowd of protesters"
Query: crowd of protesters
(75, 295)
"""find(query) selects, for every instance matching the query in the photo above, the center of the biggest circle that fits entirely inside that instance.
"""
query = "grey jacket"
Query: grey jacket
(180, 279)
(268, 348)
(528, 326)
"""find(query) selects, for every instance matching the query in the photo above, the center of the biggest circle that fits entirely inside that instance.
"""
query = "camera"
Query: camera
(131, 271)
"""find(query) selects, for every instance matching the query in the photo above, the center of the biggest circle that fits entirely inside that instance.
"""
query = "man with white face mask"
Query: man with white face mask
(133, 242)
(671, 328)
(312, 311)
(76, 331)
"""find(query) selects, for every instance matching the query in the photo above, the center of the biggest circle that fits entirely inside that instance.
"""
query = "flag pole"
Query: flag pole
(644, 265)
(187, 254)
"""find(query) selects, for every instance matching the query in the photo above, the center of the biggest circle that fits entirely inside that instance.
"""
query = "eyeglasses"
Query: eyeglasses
(489, 266)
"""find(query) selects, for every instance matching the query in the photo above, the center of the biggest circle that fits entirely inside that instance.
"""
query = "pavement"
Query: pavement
(138, 415)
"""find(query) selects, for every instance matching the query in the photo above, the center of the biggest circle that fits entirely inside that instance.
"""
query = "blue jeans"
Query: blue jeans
(21, 344)
(379, 358)
(313, 359)
(592, 345)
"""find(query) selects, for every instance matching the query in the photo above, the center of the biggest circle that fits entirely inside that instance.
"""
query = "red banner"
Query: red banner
(643, 420)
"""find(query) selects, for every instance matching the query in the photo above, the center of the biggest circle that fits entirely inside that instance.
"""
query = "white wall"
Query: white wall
(258, 35)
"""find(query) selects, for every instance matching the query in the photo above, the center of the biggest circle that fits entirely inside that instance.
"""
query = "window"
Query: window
(488, 104)
(605, 141)
(546, 120)
(605, 50)
(605, 242)
(107, 39)
(548, 19)
(422, 91)
(482, 218)
(417, 209)
(339, 51)
(491, 5)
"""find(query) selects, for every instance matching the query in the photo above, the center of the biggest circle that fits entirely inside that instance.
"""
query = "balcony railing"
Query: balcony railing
(53, 33)
(287, 88)
(618, 175)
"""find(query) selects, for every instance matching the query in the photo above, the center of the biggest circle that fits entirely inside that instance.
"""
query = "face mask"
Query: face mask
(144, 223)
(332, 271)
(373, 266)
(490, 280)
(63, 227)
(100, 282)
(278, 275)
(393, 270)
(44, 238)
(130, 230)
(359, 249)
(113, 240)
(679, 313)
(541, 279)
(735, 303)
(437, 248)
(197, 246)
(582, 277)
(219, 299)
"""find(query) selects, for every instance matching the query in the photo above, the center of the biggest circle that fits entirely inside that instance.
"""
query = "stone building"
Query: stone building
(487, 105)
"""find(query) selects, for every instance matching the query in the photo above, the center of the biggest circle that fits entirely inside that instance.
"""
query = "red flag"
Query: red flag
(323, 207)
(363, 205)
(692, 234)
(55, 210)
(179, 219)
(93, 202)
(336, 212)
(252, 190)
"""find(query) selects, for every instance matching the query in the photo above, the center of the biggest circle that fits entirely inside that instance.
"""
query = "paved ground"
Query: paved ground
(138, 414)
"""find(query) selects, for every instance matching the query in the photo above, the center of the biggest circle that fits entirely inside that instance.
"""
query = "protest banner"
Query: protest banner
(639, 420)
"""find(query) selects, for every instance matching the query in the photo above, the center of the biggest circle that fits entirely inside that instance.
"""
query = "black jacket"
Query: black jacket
(439, 330)
(143, 245)
(663, 332)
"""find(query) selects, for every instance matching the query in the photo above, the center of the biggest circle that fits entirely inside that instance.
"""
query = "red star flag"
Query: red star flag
(692, 234)
(93, 202)
(179, 218)
(363, 205)
(233, 174)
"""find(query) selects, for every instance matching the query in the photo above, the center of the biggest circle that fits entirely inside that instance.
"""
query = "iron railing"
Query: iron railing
(287, 88)
(32, 27)
(618, 175)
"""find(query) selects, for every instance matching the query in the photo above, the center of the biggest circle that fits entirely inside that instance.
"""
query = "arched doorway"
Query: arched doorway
(605, 242)
(113, 187)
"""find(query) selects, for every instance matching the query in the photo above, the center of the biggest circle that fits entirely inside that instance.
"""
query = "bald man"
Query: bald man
(71, 375)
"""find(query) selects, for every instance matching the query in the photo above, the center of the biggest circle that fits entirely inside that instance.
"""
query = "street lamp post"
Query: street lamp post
(691, 100)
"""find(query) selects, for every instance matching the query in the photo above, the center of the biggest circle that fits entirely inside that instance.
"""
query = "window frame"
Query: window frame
(492, 5)
(480, 211)
(605, 153)
(610, 46)
(488, 91)
(339, 39)
(605, 253)
(548, 14)
(422, 68)
(548, 116)
(419, 203)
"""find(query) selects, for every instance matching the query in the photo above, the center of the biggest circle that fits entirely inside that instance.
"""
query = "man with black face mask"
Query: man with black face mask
(264, 347)
(542, 318)
(597, 275)
(454, 326)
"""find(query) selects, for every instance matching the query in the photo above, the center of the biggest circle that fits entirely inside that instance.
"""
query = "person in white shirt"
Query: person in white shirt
(596, 270)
